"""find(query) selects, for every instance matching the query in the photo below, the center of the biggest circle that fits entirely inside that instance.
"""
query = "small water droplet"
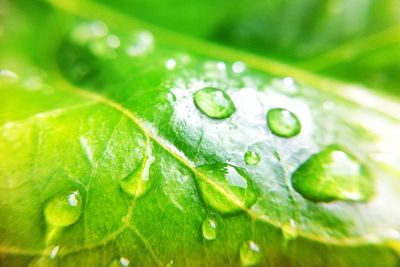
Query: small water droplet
(225, 187)
(221, 66)
(209, 229)
(8, 76)
(238, 67)
(251, 158)
(283, 123)
(250, 253)
(121, 262)
(142, 44)
(214, 102)
(286, 85)
(138, 182)
(63, 209)
(170, 64)
(290, 230)
(113, 41)
(333, 174)
(86, 32)
(54, 252)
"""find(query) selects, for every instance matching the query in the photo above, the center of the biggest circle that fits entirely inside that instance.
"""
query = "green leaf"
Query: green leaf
(114, 121)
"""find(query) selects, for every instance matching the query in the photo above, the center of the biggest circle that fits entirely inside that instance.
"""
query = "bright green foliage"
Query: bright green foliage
(104, 105)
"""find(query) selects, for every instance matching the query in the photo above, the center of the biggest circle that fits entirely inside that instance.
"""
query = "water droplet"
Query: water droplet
(170, 64)
(251, 158)
(138, 182)
(238, 67)
(214, 102)
(86, 32)
(333, 174)
(286, 85)
(250, 254)
(54, 252)
(122, 262)
(7, 76)
(225, 187)
(142, 44)
(289, 230)
(283, 123)
(113, 41)
(209, 229)
(63, 209)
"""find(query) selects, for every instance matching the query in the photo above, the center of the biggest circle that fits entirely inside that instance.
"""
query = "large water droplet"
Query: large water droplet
(63, 209)
(333, 174)
(209, 229)
(138, 182)
(250, 254)
(121, 262)
(225, 187)
(283, 123)
(214, 102)
(251, 158)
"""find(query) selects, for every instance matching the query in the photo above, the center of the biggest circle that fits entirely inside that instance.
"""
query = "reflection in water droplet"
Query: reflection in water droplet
(63, 209)
(283, 123)
(333, 174)
(250, 254)
(289, 230)
(238, 67)
(251, 158)
(209, 229)
(138, 182)
(214, 102)
(226, 188)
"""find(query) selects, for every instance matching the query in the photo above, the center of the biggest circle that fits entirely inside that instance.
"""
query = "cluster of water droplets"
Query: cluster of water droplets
(331, 174)
(100, 42)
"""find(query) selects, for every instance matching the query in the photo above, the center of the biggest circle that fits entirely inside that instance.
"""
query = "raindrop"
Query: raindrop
(209, 229)
(238, 67)
(283, 123)
(250, 254)
(63, 209)
(138, 182)
(333, 174)
(251, 158)
(214, 102)
(226, 188)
